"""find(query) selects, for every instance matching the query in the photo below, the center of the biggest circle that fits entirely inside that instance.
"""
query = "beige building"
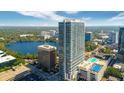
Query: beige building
(92, 70)
(47, 57)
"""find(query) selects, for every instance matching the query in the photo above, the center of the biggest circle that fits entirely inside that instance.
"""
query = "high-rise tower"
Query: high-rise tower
(120, 54)
(71, 47)
(121, 39)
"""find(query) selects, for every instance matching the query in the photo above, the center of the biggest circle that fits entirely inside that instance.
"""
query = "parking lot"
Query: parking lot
(31, 77)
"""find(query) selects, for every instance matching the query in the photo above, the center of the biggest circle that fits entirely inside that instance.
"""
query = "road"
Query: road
(112, 62)
(42, 74)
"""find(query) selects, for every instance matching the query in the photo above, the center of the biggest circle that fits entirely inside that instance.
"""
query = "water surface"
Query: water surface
(27, 47)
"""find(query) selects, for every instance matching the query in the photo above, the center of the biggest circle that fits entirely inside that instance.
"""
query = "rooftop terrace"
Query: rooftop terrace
(6, 58)
(92, 60)
(93, 64)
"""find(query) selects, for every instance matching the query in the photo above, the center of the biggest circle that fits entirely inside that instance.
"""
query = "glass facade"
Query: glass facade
(88, 36)
(113, 37)
(71, 47)
(121, 39)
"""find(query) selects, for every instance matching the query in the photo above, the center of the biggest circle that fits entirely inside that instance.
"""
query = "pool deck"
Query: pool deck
(92, 60)
(93, 64)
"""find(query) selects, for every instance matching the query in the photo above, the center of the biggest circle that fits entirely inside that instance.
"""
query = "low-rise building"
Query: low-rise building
(46, 34)
(119, 65)
(103, 35)
(26, 35)
(6, 59)
(2, 38)
(92, 70)
(111, 78)
(53, 32)
(1, 53)
(98, 41)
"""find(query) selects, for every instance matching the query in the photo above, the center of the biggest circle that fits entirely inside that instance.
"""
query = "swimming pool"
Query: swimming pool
(96, 68)
(92, 60)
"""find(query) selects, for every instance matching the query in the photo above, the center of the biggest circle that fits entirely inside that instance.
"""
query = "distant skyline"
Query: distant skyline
(51, 18)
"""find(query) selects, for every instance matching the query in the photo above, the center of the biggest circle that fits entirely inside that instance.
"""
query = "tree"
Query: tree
(112, 72)
(90, 46)
(106, 50)
(2, 45)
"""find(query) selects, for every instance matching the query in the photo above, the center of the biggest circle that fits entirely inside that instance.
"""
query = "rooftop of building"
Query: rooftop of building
(2, 55)
(119, 64)
(111, 78)
(46, 47)
(93, 64)
(6, 58)
(88, 32)
(72, 20)
(98, 40)
(1, 52)
(86, 65)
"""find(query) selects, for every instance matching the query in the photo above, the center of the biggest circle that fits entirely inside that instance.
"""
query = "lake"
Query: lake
(27, 47)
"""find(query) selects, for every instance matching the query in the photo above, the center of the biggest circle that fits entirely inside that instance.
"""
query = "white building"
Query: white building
(53, 32)
(26, 35)
(1, 38)
(103, 35)
(1, 52)
(98, 40)
(46, 34)
(6, 59)
(119, 65)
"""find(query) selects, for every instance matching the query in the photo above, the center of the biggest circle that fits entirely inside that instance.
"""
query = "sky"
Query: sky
(51, 18)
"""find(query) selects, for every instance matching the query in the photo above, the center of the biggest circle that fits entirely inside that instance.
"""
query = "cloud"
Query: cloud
(45, 14)
(119, 17)
(86, 18)
(116, 20)
(71, 12)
